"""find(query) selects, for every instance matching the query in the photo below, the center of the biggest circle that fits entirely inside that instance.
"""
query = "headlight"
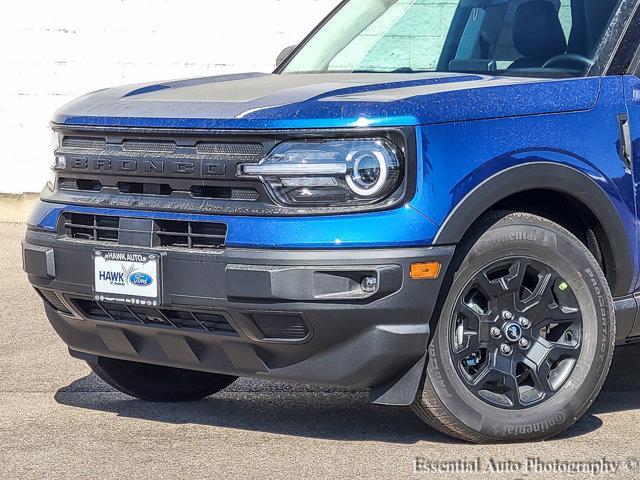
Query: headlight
(330, 172)
(58, 162)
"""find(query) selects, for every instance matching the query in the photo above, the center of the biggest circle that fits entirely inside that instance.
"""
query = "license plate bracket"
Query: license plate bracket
(127, 277)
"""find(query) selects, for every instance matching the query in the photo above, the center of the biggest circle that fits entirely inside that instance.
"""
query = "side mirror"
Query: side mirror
(284, 54)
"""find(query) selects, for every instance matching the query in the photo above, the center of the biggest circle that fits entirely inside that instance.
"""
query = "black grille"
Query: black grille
(54, 301)
(218, 150)
(281, 326)
(127, 231)
(96, 228)
(136, 315)
(172, 233)
(174, 170)
(239, 151)
(84, 143)
(148, 146)
(244, 194)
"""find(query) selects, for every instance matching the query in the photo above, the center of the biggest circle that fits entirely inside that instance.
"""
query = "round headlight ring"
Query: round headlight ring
(355, 182)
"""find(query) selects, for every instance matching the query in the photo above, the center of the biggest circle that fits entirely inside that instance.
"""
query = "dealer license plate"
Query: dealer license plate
(127, 277)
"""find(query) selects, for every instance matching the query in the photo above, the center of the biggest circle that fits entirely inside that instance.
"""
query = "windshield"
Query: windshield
(515, 37)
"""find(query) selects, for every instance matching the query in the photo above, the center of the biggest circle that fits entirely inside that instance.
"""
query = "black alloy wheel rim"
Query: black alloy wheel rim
(516, 333)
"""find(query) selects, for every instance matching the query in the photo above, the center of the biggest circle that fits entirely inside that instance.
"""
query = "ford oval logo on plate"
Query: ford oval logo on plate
(140, 279)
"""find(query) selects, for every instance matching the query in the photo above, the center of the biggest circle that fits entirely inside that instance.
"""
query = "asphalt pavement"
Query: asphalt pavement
(57, 420)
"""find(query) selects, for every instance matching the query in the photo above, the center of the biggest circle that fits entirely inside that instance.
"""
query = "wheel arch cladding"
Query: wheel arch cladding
(558, 178)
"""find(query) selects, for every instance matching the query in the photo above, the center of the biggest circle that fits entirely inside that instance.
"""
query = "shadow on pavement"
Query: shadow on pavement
(321, 412)
(271, 407)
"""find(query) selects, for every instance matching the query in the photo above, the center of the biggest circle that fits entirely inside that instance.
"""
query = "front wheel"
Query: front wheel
(158, 384)
(525, 337)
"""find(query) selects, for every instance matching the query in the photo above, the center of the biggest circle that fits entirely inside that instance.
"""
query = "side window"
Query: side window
(410, 33)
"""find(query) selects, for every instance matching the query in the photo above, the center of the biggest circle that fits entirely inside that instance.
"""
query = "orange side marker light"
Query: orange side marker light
(425, 271)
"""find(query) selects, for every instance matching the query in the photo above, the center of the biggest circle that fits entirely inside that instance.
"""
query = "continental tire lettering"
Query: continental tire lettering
(538, 427)
(527, 234)
(602, 311)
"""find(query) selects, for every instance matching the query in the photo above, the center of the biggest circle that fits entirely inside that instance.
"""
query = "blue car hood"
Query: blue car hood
(269, 101)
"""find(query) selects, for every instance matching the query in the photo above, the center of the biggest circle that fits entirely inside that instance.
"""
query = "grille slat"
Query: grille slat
(175, 319)
(192, 235)
(78, 225)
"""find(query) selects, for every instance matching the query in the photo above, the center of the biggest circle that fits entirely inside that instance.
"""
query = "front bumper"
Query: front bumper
(293, 315)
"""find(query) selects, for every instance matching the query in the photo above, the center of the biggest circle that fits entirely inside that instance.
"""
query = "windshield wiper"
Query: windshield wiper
(397, 70)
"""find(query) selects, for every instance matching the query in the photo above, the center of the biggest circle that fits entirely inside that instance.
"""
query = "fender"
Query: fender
(548, 176)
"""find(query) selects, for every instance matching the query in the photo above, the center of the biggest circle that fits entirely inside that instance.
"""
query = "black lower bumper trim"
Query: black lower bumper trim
(292, 315)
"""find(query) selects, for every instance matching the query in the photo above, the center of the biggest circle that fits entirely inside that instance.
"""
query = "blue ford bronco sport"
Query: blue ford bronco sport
(435, 200)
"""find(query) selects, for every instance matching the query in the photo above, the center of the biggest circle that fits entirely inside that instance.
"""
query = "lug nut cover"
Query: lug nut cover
(524, 343)
(495, 332)
(505, 349)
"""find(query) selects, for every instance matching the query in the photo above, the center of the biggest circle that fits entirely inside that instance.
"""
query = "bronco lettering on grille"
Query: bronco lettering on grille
(138, 167)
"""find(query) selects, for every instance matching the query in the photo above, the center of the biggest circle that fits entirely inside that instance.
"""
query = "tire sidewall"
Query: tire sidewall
(558, 248)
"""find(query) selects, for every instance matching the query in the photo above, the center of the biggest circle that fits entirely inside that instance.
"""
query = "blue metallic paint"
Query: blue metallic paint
(258, 102)
(468, 128)
(585, 140)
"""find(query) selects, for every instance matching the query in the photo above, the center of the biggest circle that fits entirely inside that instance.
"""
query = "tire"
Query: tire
(491, 397)
(155, 383)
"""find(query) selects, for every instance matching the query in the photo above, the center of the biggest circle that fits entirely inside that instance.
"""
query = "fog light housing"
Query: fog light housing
(369, 284)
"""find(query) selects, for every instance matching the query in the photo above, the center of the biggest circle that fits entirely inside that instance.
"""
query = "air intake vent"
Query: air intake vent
(161, 189)
(91, 227)
(54, 301)
(152, 317)
(278, 326)
(149, 146)
(238, 151)
(79, 184)
(210, 322)
(226, 193)
(84, 143)
(146, 233)
(205, 235)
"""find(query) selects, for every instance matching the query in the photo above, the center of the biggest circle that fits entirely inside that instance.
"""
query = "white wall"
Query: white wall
(53, 51)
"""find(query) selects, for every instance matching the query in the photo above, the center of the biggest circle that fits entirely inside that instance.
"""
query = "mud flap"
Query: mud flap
(401, 391)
